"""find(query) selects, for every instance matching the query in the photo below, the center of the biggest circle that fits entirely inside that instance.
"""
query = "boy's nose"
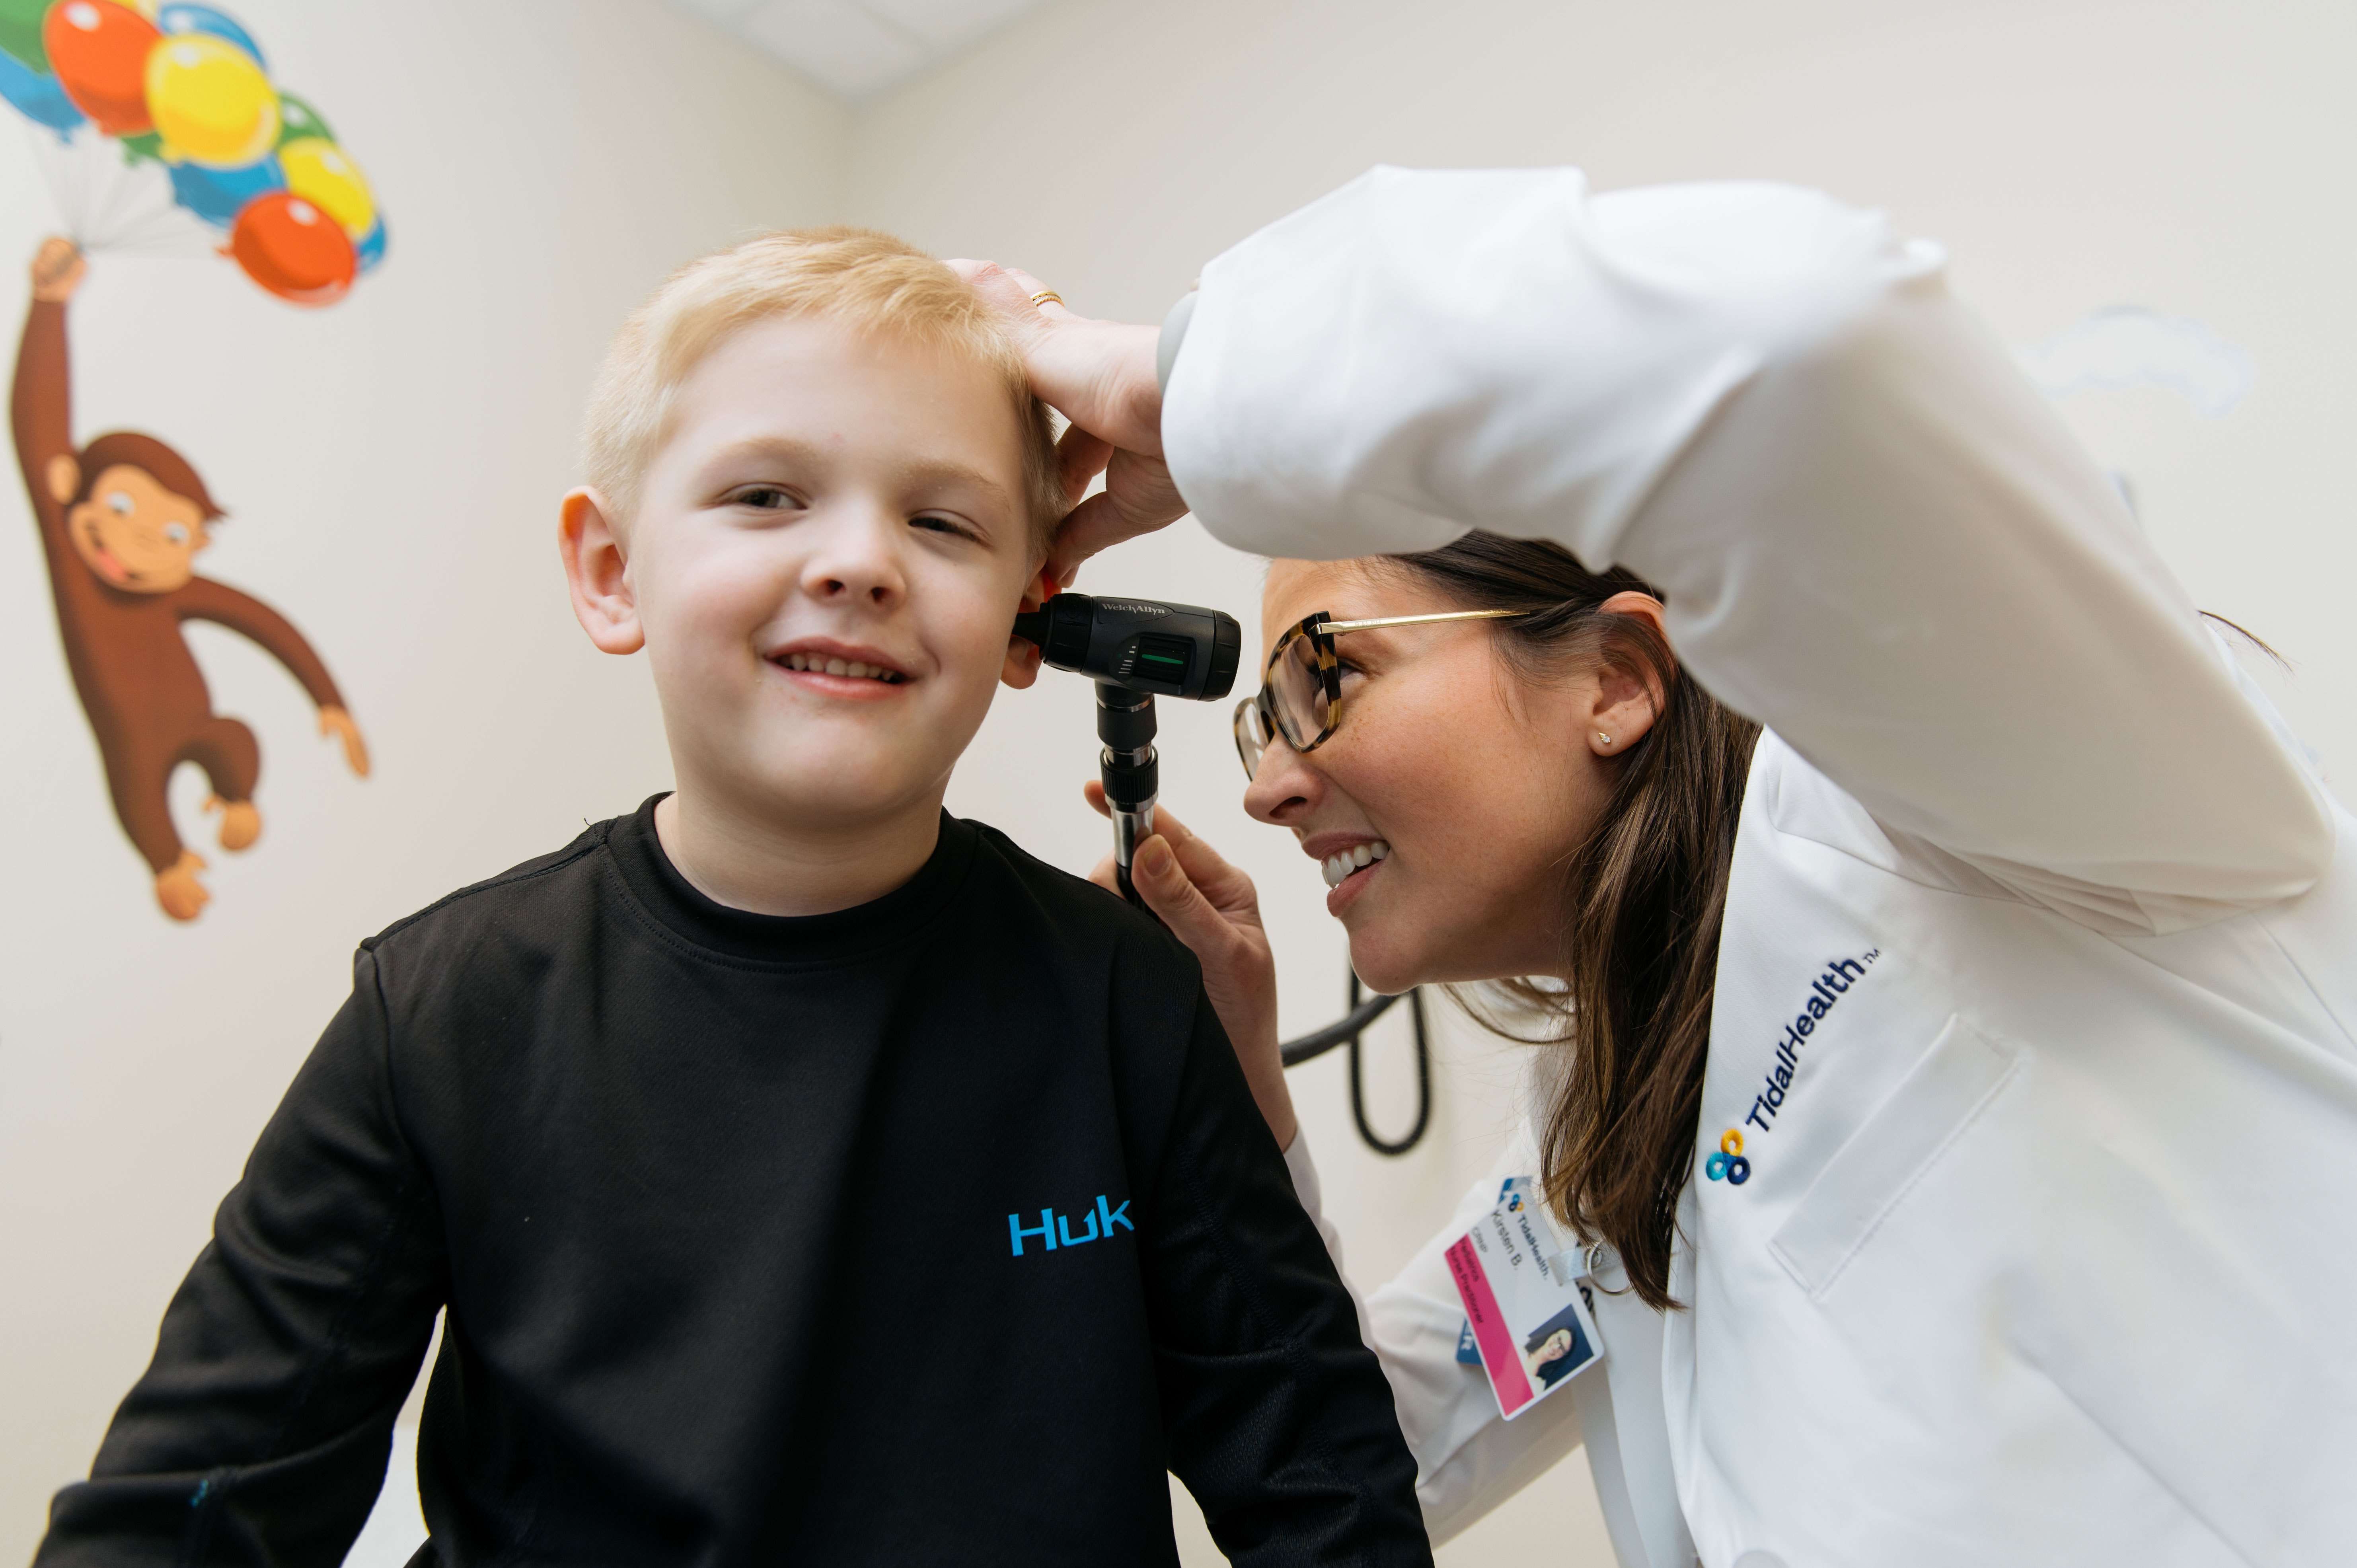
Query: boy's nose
(857, 562)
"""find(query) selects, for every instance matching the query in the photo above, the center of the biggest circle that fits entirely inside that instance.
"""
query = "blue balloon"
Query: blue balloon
(37, 96)
(216, 195)
(191, 18)
(371, 249)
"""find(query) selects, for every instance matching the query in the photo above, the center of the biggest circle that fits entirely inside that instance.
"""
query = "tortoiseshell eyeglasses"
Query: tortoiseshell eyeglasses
(1300, 698)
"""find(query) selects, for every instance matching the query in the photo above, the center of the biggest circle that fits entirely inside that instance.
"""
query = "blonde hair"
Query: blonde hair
(868, 281)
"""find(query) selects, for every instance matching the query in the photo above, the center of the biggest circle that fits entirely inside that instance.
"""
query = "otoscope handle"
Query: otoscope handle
(1130, 829)
(1133, 648)
(1131, 772)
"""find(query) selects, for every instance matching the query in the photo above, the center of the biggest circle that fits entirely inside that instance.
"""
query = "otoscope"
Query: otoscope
(1135, 649)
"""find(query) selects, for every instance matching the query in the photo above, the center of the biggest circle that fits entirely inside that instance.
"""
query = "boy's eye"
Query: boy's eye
(942, 525)
(764, 497)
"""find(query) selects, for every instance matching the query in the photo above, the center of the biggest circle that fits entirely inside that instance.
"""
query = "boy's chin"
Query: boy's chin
(837, 792)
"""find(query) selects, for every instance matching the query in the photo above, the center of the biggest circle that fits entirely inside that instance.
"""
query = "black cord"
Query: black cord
(1347, 1030)
(1423, 1081)
(1342, 1031)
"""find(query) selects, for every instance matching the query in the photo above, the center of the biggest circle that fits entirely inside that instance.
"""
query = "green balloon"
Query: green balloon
(20, 31)
(146, 147)
(295, 118)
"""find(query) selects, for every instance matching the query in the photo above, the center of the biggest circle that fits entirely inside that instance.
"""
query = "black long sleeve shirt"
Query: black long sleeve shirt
(924, 1233)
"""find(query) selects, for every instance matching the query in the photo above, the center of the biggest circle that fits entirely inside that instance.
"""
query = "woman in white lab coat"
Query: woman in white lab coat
(2020, 958)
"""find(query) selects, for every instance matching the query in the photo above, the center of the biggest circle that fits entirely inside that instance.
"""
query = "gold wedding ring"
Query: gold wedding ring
(1045, 295)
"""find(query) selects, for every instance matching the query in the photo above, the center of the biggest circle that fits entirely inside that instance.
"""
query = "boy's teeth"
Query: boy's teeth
(1335, 867)
(853, 667)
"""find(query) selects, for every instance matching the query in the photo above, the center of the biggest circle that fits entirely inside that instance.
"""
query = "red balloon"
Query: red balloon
(293, 249)
(99, 50)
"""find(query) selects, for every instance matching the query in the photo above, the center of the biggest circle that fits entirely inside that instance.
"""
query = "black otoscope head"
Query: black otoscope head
(1135, 649)
(1138, 645)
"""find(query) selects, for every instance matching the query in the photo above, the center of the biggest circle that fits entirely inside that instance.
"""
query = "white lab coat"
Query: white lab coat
(2044, 1257)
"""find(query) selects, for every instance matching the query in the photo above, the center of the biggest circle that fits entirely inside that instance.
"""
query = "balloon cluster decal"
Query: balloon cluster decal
(181, 96)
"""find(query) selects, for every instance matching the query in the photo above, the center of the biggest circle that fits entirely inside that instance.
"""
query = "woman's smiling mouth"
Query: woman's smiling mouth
(1338, 866)
(1348, 871)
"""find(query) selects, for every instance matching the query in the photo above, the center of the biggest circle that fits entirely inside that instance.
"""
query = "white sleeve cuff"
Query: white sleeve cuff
(1174, 333)
(1304, 1170)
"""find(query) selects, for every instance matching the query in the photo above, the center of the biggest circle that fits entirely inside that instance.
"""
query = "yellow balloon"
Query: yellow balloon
(210, 102)
(324, 175)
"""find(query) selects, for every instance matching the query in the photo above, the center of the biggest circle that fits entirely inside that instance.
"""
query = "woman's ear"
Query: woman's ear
(1022, 666)
(1629, 695)
(597, 572)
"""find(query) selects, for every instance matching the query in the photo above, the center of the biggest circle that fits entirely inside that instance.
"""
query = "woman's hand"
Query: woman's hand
(1212, 907)
(1100, 376)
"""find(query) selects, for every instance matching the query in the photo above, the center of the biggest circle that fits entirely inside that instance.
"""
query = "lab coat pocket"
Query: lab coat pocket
(1871, 1175)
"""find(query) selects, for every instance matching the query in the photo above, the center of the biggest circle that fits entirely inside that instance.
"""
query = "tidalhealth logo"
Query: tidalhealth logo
(1728, 1165)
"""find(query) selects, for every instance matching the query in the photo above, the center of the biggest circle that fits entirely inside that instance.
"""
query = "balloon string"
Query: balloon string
(108, 204)
(106, 193)
(48, 155)
(129, 197)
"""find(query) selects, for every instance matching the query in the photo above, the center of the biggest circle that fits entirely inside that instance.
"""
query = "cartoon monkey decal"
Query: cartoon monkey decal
(121, 521)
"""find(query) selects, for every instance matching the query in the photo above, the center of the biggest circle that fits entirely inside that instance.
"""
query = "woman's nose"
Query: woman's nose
(1286, 786)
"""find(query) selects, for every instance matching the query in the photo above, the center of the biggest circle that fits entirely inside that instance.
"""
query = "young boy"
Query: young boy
(808, 1175)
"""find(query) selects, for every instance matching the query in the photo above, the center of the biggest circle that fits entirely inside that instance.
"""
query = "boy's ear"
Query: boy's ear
(1022, 666)
(596, 574)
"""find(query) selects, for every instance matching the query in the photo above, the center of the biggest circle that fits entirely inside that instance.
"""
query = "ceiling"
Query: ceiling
(855, 48)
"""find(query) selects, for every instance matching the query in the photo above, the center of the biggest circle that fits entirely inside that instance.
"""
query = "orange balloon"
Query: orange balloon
(293, 250)
(99, 50)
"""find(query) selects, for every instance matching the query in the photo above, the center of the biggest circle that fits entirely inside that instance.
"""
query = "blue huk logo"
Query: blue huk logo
(1053, 1225)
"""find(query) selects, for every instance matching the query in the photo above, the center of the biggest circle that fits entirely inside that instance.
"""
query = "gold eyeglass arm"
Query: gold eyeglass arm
(1417, 621)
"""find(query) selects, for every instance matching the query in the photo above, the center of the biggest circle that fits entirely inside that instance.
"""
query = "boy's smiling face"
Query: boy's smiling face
(826, 557)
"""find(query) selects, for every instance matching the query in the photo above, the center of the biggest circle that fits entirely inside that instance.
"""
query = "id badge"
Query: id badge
(1467, 1353)
(1526, 1312)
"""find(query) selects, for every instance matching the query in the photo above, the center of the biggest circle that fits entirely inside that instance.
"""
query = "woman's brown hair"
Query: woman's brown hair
(1644, 899)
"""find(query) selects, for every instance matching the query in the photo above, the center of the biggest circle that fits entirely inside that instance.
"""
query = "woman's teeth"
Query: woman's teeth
(1338, 866)
(851, 667)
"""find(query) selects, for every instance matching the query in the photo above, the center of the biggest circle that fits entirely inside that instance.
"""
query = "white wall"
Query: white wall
(393, 464)
(2190, 158)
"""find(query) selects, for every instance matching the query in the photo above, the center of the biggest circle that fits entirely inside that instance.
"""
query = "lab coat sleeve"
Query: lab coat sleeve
(1873, 534)
(1469, 1458)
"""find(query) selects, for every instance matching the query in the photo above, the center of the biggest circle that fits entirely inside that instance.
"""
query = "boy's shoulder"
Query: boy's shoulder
(1082, 918)
(1072, 902)
(526, 893)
